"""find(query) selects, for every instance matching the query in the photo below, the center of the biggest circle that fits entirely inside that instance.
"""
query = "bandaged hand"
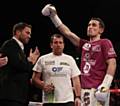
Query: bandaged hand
(103, 90)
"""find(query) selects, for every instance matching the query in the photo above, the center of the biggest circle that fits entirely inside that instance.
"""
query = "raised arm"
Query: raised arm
(50, 11)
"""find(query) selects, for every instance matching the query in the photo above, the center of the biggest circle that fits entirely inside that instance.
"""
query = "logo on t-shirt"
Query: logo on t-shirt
(87, 46)
(57, 69)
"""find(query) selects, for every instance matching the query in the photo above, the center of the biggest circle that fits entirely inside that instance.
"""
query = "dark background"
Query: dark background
(74, 13)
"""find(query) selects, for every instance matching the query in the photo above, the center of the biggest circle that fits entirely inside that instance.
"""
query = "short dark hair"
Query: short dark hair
(101, 23)
(20, 26)
(57, 36)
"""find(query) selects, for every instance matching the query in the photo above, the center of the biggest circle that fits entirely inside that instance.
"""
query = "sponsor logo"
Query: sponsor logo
(86, 46)
(57, 69)
(64, 63)
(96, 48)
(49, 62)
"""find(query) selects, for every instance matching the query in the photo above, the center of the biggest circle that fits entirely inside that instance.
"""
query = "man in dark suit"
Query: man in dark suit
(15, 76)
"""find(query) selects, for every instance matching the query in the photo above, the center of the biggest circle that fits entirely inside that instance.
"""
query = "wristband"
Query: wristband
(56, 20)
(79, 97)
(107, 80)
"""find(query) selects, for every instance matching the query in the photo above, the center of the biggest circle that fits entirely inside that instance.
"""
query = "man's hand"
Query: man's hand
(77, 102)
(3, 60)
(33, 56)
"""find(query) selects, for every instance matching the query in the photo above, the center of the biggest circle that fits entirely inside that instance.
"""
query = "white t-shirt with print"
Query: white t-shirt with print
(58, 70)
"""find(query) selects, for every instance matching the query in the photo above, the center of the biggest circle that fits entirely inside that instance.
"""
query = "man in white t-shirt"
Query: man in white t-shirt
(56, 70)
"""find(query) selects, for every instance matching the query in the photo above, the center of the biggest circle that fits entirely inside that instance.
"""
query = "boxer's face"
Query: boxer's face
(94, 28)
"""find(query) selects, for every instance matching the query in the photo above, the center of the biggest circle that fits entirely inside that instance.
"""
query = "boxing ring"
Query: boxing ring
(35, 103)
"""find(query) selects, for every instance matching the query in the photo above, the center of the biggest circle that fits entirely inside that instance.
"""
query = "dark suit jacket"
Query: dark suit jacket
(15, 76)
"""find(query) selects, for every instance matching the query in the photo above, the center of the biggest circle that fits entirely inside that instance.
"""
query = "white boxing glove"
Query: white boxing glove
(48, 10)
(101, 96)
(103, 90)
(45, 10)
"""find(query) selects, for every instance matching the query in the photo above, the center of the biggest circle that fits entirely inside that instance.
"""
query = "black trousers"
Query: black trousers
(11, 103)
(59, 104)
